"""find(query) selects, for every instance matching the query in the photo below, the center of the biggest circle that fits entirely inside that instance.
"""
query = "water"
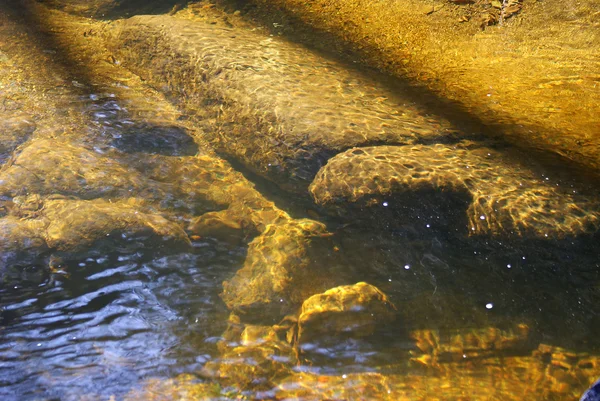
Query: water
(128, 223)
(113, 322)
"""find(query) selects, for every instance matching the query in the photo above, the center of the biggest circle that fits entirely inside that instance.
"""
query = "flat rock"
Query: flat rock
(37, 226)
(74, 225)
(46, 166)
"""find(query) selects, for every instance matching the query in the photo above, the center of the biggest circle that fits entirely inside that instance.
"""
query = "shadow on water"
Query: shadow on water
(166, 141)
(141, 137)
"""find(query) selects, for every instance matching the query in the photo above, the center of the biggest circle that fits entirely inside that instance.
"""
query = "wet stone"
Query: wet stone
(76, 225)
(47, 166)
(252, 357)
(347, 311)
(279, 273)
(73, 228)
(219, 225)
(13, 132)
(470, 188)
(238, 223)
(183, 387)
(508, 378)
(436, 347)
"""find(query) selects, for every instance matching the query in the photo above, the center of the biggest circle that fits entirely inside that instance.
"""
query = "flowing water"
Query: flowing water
(146, 225)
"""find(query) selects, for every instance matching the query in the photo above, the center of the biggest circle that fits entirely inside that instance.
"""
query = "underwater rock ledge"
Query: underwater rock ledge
(275, 106)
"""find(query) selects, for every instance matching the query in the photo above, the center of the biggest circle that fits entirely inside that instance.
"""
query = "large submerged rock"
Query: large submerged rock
(252, 357)
(475, 189)
(277, 107)
(505, 75)
(76, 225)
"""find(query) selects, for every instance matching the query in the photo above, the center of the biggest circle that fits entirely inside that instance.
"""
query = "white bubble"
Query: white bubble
(489, 305)
(385, 204)
(406, 267)
(482, 217)
(508, 265)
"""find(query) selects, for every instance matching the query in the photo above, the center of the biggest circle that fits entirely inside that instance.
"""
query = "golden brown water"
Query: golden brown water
(197, 207)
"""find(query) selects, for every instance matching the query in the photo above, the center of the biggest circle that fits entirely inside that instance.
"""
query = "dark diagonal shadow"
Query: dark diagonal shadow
(141, 137)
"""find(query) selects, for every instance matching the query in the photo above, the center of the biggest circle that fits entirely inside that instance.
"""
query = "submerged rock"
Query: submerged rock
(182, 387)
(476, 190)
(279, 108)
(13, 132)
(350, 311)
(239, 222)
(37, 226)
(436, 347)
(76, 225)
(279, 273)
(21, 241)
(47, 166)
(532, 101)
(252, 358)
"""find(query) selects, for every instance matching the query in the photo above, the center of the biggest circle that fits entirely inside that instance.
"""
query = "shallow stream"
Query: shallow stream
(136, 232)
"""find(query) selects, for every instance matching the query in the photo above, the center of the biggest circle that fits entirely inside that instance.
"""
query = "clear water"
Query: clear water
(124, 315)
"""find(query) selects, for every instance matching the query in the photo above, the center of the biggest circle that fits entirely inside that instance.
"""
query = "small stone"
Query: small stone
(351, 310)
